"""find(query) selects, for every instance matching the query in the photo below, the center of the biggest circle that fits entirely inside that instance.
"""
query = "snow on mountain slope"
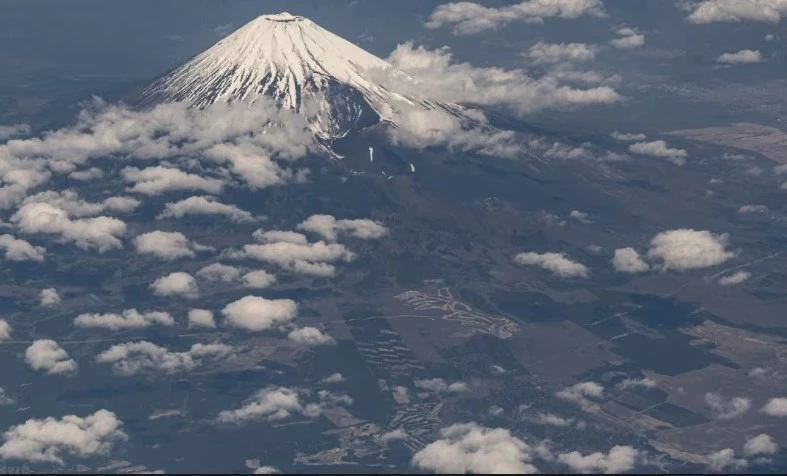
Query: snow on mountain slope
(301, 66)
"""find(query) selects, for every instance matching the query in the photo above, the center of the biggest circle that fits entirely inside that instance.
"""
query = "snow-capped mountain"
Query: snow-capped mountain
(301, 66)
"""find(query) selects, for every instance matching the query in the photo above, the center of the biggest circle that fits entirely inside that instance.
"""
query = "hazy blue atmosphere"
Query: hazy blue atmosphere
(420, 236)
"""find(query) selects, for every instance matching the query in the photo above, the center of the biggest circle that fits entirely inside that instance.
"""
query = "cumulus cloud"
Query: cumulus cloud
(557, 263)
(49, 297)
(628, 38)
(776, 407)
(725, 459)
(659, 148)
(272, 236)
(204, 206)
(14, 130)
(472, 448)
(329, 227)
(210, 137)
(51, 439)
(256, 314)
(129, 319)
(131, 358)
(423, 129)
(333, 378)
(734, 278)
(20, 250)
(468, 18)
(166, 245)
(438, 385)
(5, 399)
(629, 383)
(278, 403)
(5, 330)
(201, 318)
(101, 233)
(552, 420)
(752, 209)
(628, 137)
(620, 459)
(761, 444)
(176, 284)
(310, 336)
(46, 355)
(93, 173)
(259, 279)
(550, 53)
(441, 78)
(740, 57)
(628, 260)
(685, 249)
(582, 394)
(266, 470)
(157, 180)
(712, 11)
(312, 258)
(393, 435)
(219, 272)
(76, 207)
(727, 409)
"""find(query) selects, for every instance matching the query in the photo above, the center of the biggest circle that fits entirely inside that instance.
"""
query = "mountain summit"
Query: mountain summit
(297, 63)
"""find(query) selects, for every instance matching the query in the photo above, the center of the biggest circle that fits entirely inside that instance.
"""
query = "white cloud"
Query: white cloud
(157, 180)
(278, 403)
(258, 314)
(51, 439)
(310, 336)
(14, 130)
(219, 272)
(49, 297)
(166, 245)
(752, 209)
(439, 385)
(204, 206)
(273, 236)
(579, 216)
(468, 18)
(734, 278)
(551, 53)
(201, 318)
(312, 259)
(725, 459)
(557, 263)
(776, 407)
(5, 330)
(93, 173)
(393, 435)
(101, 233)
(629, 383)
(472, 448)
(659, 148)
(121, 204)
(21, 250)
(333, 378)
(441, 78)
(740, 57)
(711, 11)
(259, 279)
(5, 399)
(620, 459)
(131, 358)
(582, 394)
(686, 249)
(76, 207)
(329, 227)
(266, 470)
(727, 409)
(129, 319)
(628, 39)
(553, 420)
(761, 444)
(176, 284)
(628, 137)
(47, 355)
(628, 260)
